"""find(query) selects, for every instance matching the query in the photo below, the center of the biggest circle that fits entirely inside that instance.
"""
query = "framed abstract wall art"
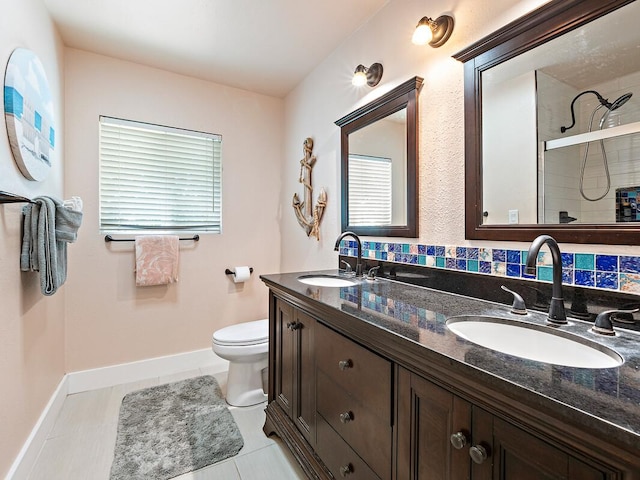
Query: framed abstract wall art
(29, 114)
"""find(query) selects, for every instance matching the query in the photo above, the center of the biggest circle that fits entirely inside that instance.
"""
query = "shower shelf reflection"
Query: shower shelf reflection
(627, 129)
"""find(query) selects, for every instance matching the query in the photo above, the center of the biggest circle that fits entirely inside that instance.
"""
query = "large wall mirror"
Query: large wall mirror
(379, 164)
(552, 125)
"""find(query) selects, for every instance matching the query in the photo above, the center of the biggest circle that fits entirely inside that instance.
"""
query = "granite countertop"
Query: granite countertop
(607, 400)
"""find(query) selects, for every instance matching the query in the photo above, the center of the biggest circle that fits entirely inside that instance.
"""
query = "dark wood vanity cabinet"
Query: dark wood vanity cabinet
(294, 384)
(441, 435)
(330, 399)
(348, 411)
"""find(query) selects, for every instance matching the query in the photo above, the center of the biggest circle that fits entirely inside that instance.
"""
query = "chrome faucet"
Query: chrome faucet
(557, 314)
(357, 239)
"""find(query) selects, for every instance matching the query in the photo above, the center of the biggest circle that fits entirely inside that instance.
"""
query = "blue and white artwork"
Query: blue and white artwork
(29, 114)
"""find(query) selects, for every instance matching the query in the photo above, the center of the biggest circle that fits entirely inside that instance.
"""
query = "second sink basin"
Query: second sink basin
(533, 342)
(327, 280)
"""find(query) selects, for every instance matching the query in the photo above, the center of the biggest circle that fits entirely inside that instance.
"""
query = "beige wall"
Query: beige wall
(108, 319)
(31, 325)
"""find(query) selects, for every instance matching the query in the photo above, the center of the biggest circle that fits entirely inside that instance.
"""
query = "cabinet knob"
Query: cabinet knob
(458, 440)
(346, 470)
(344, 364)
(346, 417)
(294, 325)
(478, 454)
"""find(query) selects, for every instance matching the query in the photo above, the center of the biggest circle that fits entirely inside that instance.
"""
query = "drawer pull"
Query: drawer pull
(478, 454)
(346, 470)
(344, 364)
(346, 417)
(294, 325)
(458, 440)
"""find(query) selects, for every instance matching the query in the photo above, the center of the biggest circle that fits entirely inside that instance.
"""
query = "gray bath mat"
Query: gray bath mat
(172, 429)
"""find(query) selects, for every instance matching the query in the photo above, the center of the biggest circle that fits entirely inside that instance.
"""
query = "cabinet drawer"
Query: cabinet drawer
(361, 427)
(339, 458)
(365, 375)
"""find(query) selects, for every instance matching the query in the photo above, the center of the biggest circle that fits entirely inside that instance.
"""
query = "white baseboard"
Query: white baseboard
(95, 378)
(25, 460)
(153, 367)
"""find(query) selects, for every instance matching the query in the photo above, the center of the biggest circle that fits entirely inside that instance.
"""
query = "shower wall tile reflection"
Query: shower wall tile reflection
(603, 271)
(575, 177)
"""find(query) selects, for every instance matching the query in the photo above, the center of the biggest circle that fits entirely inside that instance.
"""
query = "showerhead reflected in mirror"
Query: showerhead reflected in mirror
(611, 106)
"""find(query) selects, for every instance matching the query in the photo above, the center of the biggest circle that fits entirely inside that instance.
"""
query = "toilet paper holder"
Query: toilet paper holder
(230, 272)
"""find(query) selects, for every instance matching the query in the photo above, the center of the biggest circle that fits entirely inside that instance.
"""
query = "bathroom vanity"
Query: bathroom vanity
(367, 381)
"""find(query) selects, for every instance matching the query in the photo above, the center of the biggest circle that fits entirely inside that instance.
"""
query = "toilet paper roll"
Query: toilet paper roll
(241, 274)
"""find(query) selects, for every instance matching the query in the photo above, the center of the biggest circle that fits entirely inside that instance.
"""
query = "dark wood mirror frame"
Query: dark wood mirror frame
(543, 24)
(404, 95)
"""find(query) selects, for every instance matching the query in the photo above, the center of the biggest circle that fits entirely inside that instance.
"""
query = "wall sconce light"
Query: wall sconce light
(434, 32)
(370, 76)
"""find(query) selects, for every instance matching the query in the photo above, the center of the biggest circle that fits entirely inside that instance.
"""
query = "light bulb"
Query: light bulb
(423, 33)
(359, 76)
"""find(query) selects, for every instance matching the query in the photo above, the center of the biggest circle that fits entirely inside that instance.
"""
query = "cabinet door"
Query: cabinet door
(305, 396)
(519, 455)
(428, 417)
(284, 368)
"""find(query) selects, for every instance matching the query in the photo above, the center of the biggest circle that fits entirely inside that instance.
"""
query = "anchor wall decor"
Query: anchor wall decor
(309, 218)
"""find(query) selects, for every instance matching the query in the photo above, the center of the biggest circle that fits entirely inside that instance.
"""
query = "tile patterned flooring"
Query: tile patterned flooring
(81, 443)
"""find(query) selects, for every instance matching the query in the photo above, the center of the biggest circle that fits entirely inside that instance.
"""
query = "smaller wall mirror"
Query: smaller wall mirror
(379, 164)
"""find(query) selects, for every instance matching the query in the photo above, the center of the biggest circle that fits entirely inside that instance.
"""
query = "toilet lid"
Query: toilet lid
(246, 333)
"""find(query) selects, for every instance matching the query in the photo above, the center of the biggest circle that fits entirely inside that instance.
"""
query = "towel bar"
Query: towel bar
(109, 238)
(6, 197)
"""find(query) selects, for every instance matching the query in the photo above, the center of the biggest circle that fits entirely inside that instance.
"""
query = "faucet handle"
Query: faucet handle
(348, 266)
(603, 325)
(371, 275)
(518, 307)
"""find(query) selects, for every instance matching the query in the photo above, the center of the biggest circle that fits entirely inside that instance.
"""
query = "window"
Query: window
(155, 178)
(369, 190)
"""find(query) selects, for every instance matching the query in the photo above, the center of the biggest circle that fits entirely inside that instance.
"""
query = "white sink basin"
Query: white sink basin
(534, 342)
(327, 281)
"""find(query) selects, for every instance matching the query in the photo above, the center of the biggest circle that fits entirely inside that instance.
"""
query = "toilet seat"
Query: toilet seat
(247, 333)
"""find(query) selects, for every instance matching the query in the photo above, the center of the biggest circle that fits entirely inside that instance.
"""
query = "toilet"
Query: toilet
(246, 347)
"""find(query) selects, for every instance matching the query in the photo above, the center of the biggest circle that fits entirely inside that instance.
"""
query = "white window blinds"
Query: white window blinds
(157, 178)
(369, 190)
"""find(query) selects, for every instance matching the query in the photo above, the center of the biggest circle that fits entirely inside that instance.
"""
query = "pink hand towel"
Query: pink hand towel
(156, 260)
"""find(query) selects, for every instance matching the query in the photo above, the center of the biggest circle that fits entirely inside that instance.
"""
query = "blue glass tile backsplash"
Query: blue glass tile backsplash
(610, 272)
